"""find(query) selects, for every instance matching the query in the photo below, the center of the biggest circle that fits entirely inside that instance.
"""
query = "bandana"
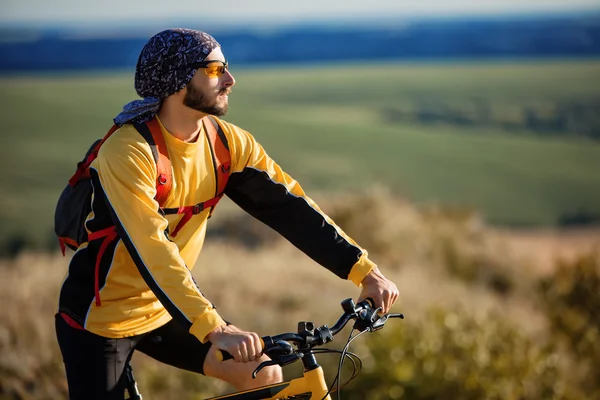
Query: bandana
(164, 67)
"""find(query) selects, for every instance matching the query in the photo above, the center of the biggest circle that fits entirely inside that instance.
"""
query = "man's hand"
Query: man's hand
(383, 291)
(243, 346)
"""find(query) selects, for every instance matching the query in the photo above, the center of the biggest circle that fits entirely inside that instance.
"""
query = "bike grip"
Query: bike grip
(222, 355)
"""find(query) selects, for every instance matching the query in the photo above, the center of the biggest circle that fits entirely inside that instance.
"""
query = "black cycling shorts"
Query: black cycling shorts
(95, 365)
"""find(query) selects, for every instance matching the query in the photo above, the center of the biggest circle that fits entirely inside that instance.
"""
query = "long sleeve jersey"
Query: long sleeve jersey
(144, 276)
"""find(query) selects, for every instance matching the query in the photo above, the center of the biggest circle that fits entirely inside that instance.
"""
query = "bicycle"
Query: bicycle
(287, 348)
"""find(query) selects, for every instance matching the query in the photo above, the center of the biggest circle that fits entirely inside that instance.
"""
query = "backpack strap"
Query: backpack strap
(83, 166)
(153, 135)
(164, 178)
(83, 171)
(220, 153)
(107, 235)
(221, 156)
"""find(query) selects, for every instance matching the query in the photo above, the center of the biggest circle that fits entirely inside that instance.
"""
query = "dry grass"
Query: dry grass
(30, 363)
(544, 248)
(269, 288)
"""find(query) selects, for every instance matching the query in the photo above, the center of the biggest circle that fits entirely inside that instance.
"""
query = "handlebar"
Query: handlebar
(279, 349)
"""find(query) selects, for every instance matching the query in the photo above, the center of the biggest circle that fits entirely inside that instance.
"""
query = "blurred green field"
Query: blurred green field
(325, 125)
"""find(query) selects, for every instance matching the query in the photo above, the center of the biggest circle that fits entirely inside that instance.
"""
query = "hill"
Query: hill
(329, 127)
(27, 48)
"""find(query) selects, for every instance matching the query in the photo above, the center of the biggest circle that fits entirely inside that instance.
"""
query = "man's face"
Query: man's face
(209, 94)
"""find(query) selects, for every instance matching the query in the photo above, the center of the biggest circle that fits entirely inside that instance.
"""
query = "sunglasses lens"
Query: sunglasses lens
(215, 70)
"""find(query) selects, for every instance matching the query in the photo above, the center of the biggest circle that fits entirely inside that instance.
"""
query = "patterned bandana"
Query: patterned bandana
(163, 68)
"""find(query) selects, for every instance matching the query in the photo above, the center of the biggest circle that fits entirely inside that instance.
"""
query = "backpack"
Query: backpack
(75, 202)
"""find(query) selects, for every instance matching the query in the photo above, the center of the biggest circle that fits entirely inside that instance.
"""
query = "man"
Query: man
(141, 295)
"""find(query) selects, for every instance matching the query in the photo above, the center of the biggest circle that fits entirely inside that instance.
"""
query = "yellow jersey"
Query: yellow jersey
(144, 276)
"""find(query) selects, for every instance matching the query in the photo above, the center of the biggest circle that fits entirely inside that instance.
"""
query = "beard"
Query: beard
(195, 99)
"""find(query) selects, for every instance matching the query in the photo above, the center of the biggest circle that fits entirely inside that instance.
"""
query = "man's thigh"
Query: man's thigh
(94, 364)
(172, 344)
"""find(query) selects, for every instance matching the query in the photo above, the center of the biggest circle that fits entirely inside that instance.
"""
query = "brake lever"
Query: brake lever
(381, 321)
(262, 365)
(282, 361)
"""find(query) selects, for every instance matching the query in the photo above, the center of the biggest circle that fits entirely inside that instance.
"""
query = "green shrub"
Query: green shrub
(455, 355)
(461, 244)
(571, 301)
(454, 239)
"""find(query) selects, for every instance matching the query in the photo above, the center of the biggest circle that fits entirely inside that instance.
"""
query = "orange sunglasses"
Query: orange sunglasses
(212, 68)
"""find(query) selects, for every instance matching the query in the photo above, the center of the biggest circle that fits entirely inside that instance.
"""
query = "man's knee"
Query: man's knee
(270, 375)
(267, 376)
(240, 374)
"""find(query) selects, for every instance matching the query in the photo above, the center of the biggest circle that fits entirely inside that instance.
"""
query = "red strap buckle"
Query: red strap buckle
(198, 208)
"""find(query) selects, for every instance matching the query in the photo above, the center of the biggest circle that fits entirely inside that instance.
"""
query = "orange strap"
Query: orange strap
(221, 156)
(164, 178)
(83, 167)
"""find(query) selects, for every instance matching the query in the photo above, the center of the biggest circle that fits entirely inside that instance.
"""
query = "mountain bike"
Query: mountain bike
(288, 348)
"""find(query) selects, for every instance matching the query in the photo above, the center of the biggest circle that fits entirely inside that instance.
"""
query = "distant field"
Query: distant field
(326, 126)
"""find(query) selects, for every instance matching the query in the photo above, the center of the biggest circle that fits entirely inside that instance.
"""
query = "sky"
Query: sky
(266, 11)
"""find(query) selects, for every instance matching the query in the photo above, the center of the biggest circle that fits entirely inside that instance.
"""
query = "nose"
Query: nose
(228, 79)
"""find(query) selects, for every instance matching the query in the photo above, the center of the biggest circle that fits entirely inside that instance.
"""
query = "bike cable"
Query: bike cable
(341, 364)
(356, 364)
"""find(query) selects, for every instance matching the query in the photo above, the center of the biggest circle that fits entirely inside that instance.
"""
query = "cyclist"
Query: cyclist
(134, 290)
